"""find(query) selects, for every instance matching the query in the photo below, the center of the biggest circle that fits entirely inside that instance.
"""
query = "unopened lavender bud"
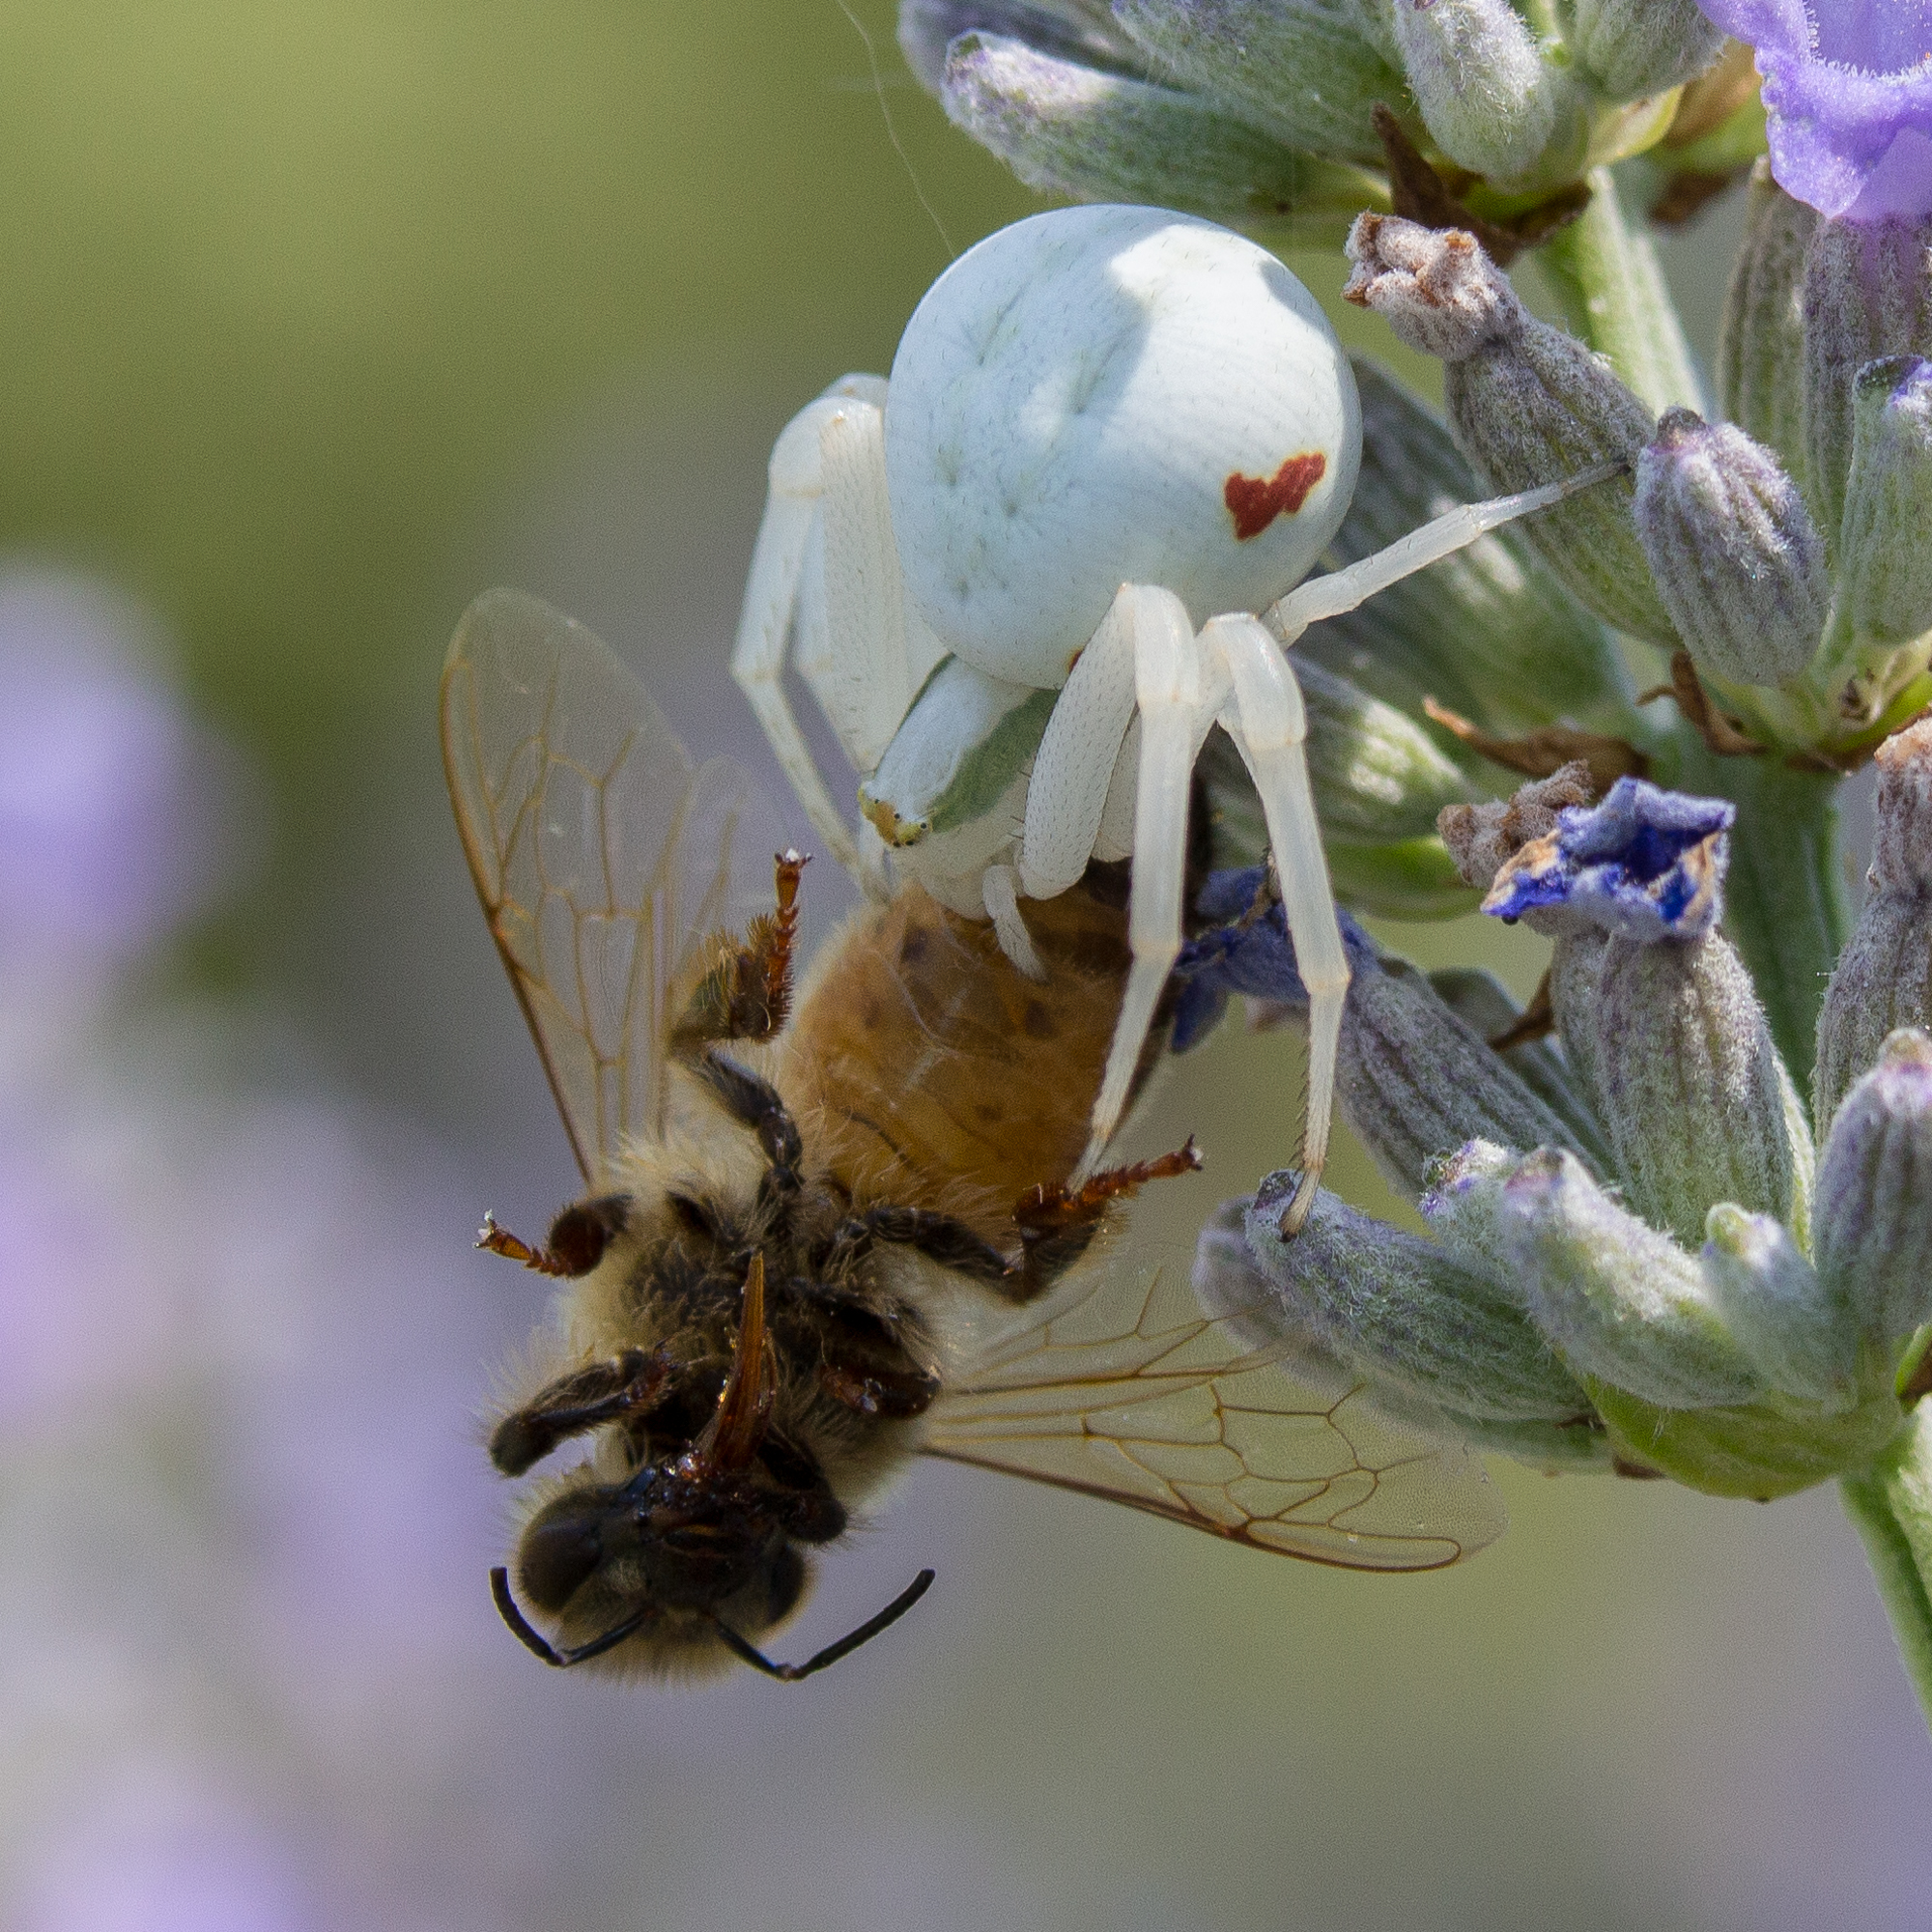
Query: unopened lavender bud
(1411, 1079)
(1076, 30)
(1885, 562)
(1405, 1313)
(1874, 1207)
(1481, 1001)
(1781, 1316)
(1491, 99)
(1761, 346)
(1867, 293)
(1528, 405)
(1488, 632)
(1688, 1082)
(1375, 774)
(1306, 70)
(1736, 558)
(1634, 47)
(1884, 975)
(1621, 1301)
(1071, 129)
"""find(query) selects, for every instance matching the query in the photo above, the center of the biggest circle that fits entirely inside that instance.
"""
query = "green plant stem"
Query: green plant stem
(1786, 908)
(1605, 275)
(1890, 1505)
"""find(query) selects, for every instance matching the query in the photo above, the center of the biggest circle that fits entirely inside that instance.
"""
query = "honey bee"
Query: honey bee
(823, 1234)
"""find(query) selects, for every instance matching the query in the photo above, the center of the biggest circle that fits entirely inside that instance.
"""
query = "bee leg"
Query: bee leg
(573, 1404)
(1057, 1222)
(756, 1103)
(941, 1238)
(748, 994)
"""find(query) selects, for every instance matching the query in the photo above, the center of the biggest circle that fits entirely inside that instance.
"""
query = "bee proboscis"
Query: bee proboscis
(842, 1241)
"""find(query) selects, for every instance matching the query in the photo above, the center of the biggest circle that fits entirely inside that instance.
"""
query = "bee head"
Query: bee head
(647, 1570)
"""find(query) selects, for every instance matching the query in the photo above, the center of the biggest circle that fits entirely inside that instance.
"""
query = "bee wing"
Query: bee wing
(602, 854)
(1130, 1391)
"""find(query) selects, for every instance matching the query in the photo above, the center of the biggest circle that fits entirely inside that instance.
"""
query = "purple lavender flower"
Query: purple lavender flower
(1646, 863)
(1848, 84)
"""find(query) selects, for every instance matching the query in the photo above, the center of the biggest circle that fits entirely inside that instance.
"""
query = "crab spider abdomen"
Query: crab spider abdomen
(1102, 395)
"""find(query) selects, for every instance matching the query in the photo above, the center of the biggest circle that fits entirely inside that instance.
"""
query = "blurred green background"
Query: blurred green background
(315, 320)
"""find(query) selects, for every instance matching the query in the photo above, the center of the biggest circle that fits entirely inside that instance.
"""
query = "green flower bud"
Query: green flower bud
(1885, 563)
(1733, 551)
(1415, 879)
(1884, 976)
(1488, 632)
(1623, 1302)
(1305, 71)
(1413, 1080)
(1410, 878)
(1867, 293)
(1481, 1001)
(1067, 129)
(1077, 30)
(1232, 1285)
(1772, 1447)
(1377, 775)
(1405, 1313)
(1786, 1323)
(1634, 47)
(1688, 1081)
(1491, 100)
(1528, 405)
(1874, 1219)
(1761, 345)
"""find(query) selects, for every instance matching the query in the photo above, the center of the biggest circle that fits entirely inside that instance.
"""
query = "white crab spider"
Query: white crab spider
(1000, 576)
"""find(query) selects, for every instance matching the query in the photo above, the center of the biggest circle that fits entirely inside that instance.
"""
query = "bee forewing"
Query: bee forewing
(602, 855)
(1130, 1391)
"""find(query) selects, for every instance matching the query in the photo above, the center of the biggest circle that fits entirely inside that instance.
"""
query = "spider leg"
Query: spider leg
(877, 651)
(1267, 720)
(1318, 597)
(771, 602)
(1073, 769)
(1178, 689)
(1002, 900)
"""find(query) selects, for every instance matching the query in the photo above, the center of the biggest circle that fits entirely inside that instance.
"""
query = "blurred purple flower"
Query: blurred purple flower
(105, 820)
(1645, 863)
(1848, 84)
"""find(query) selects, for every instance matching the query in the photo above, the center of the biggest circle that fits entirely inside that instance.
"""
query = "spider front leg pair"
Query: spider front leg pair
(1147, 662)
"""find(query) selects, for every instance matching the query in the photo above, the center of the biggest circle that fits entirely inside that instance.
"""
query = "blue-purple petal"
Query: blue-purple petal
(1848, 87)
(1646, 863)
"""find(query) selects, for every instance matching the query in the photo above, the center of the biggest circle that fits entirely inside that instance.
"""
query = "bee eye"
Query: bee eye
(557, 1554)
(580, 1235)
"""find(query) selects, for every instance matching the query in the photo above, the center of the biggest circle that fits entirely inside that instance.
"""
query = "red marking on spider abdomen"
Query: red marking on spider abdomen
(1256, 501)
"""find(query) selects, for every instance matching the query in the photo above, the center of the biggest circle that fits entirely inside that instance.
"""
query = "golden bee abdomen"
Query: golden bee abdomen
(930, 1071)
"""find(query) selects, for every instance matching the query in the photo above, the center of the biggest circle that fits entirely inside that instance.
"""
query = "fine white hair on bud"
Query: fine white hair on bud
(1633, 47)
(1874, 1220)
(1884, 976)
(1528, 405)
(1491, 99)
(1761, 349)
(1737, 560)
(1884, 565)
(1104, 395)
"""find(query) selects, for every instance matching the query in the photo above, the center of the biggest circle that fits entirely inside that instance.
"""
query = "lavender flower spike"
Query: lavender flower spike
(1646, 863)
(1848, 84)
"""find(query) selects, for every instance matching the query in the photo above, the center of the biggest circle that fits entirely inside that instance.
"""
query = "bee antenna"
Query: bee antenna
(791, 1673)
(535, 1641)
